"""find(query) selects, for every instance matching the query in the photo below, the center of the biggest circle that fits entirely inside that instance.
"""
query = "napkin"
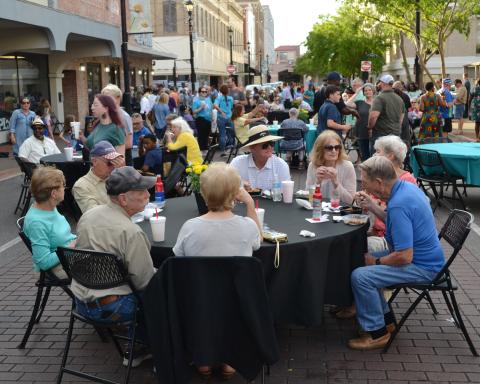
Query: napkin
(322, 220)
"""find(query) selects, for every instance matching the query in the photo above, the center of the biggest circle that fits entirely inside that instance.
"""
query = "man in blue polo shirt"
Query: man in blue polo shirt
(414, 254)
(446, 111)
(329, 117)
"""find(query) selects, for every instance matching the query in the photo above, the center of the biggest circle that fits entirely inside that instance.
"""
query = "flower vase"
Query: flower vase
(201, 205)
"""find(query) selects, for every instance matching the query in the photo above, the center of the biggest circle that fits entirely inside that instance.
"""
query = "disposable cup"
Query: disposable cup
(287, 191)
(260, 215)
(311, 191)
(76, 129)
(275, 123)
(157, 224)
(68, 153)
(311, 121)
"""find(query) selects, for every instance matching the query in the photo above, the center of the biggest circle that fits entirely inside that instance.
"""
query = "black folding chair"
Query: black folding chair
(291, 135)
(210, 154)
(176, 176)
(45, 281)
(432, 171)
(96, 270)
(454, 232)
(25, 197)
(234, 144)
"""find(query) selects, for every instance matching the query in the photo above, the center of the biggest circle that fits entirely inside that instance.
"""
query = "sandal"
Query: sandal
(205, 372)
(227, 372)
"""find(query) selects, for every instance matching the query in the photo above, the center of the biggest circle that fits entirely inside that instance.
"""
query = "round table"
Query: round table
(312, 271)
(462, 159)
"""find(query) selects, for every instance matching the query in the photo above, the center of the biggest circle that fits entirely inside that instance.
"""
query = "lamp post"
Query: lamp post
(230, 35)
(127, 104)
(269, 78)
(249, 74)
(417, 38)
(193, 77)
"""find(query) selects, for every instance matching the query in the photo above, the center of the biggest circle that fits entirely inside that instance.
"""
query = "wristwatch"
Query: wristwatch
(377, 261)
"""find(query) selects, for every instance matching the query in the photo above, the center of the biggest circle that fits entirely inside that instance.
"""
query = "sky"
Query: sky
(294, 19)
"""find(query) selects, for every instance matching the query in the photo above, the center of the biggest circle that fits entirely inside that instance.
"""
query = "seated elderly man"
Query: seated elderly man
(414, 254)
(261, 167)
(37, 146)
(109, 228)
(89, 191)
(139, 128)
(293, 123)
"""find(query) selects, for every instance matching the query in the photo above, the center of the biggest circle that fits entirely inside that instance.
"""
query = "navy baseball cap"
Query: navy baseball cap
(104, 149)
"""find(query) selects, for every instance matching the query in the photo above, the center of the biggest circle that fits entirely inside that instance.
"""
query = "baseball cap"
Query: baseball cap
(387, 79)
(335, 76)
(447, 80)
(104, 149)
(126, 179)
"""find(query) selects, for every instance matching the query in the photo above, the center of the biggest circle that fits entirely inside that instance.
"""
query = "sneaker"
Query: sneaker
(224, 154)
(139, 356)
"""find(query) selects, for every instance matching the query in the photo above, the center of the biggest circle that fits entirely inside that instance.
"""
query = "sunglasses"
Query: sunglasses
(203, 91)
(330, 148)
(25, 102)
(268, 144)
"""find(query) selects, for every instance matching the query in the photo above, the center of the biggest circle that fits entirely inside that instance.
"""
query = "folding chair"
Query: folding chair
(432, 171)
(210, 154)
(350, 144)
(96, 270)
(25, 194)
(45, 281)
(234, 145)
(454, 232)
(176, 175)
(293, 141)
(233, 322)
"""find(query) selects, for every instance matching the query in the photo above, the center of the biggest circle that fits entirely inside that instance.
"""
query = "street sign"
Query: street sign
(366, 66)
(231, 69)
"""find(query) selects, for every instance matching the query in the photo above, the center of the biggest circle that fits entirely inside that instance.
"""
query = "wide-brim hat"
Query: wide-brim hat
(260, 134)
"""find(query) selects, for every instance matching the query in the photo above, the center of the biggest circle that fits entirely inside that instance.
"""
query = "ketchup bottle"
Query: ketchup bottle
(159, 193)
(317, 204)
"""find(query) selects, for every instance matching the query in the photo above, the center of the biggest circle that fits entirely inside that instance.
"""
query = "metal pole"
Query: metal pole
(175, 73)
(193, 76)
(261, 69)
(417, 38)
(230, 32)
(127, 101)
(249, 74)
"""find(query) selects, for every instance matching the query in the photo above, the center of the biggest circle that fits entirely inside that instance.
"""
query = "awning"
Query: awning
(149, 53)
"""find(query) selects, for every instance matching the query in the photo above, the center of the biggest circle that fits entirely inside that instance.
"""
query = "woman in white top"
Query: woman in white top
(330, 167)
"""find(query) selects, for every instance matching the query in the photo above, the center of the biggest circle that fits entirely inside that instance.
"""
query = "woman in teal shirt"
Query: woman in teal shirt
(109, 126)
(224, 106)
(44, 226)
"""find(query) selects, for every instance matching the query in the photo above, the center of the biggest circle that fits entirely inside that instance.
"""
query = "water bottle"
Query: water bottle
(159, 193)
(277, 189)
(317, 204)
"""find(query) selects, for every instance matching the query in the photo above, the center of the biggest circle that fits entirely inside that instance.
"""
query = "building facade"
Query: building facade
(213, 24)
(462, 55)
(66, 51)
(285, 58)
(268, 43)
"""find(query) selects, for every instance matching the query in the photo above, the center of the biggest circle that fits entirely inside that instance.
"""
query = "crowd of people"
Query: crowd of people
(402, 239)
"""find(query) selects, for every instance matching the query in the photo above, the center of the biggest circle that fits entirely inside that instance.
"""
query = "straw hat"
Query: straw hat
(38, 121)
(260, 134)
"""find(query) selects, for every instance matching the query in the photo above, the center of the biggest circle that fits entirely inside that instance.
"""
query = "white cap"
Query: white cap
(387, 79)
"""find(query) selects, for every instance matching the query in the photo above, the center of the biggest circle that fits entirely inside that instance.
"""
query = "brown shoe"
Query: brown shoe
(390, 329)
(346, 312)
(366, 342)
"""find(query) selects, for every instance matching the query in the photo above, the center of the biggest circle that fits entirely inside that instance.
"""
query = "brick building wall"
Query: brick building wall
(105, 11)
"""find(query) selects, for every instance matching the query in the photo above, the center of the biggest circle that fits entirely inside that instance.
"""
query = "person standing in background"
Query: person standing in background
(21, 125)
(468, 86)
(202, 110)
(459, 103)
(45, 112)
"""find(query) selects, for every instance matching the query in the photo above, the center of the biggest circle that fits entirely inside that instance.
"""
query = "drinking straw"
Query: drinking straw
(256, 204)
(156, 212)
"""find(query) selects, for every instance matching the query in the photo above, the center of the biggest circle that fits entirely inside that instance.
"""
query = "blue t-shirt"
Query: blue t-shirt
(328, 111)
(225, 103)
(161, 111)
(154, 161)
(446, 111)
(142, 132)
(205, 113)
(410, 224)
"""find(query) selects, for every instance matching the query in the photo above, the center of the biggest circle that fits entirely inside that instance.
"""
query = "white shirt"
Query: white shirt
(261, 178)
(33, 149)
(144, 104)
(152, 100)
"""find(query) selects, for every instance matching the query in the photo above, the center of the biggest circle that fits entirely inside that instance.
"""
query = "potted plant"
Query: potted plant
(194, 172)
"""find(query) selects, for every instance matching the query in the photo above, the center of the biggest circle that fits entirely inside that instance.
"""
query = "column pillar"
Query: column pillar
(56, 94)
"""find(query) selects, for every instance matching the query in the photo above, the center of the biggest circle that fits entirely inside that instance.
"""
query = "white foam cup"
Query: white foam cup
(311, 121)
(68, 153)
(287, 191)
(275, 123)
(260, 215)
(157, 224)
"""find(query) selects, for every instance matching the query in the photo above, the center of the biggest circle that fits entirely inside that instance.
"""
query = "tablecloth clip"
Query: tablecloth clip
(276, 261)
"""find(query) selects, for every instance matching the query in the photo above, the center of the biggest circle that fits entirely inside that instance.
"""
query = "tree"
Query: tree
(439, 19)
(340, 42)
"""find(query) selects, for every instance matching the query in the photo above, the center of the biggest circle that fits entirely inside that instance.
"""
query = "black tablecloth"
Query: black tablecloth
(72, 170)
(312, 271)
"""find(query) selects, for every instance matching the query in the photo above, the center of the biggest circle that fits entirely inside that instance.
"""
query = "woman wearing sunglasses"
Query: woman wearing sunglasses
(202, 110)
(330, 167)
(21, 125)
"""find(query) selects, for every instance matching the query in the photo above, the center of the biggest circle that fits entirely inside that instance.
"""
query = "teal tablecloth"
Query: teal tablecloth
(461, 159)
(310, 136)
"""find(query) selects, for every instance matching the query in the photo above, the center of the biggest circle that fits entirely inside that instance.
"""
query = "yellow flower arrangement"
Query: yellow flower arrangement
(194, 171)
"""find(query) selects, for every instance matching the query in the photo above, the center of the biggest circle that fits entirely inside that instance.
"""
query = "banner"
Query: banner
(140, 17)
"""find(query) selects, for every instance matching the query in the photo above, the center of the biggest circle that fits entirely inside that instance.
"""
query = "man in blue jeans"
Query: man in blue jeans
(414, 254)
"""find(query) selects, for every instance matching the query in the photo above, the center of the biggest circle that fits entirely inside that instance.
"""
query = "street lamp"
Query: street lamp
(189, 7)
(249, 74)
(230, 35)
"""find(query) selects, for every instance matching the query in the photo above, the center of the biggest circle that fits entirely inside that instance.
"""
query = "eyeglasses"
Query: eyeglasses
(268, 144)
(330, 148)
(203, 91)
(25, 102)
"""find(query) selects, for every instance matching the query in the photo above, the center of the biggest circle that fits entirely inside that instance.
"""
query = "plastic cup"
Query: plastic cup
(287, 191)
(311, 122)
(157, 224)
(334, 203)
(275, 123)
(311, 191)
(260, 215)
(68, 153)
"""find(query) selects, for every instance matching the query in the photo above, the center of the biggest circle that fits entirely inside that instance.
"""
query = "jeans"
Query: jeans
(222, 122)
(367, 283)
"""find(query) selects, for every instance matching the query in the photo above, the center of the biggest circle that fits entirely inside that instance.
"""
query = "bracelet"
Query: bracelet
(378, 261)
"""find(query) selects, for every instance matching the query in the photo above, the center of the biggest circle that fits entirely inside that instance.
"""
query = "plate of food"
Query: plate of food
(254, 191)
(355, 219)
(350, 211)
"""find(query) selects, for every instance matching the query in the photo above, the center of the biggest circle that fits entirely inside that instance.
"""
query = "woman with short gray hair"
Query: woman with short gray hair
(394, 149)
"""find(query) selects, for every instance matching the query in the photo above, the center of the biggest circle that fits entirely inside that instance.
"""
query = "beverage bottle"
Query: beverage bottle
(317, 204)
(159, 193)
(277, 188)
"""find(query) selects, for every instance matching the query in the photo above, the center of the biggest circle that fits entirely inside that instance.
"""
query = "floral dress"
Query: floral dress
(431, 123)
(476, 104)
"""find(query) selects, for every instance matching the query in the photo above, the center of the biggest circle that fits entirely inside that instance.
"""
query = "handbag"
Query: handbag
(273, 236)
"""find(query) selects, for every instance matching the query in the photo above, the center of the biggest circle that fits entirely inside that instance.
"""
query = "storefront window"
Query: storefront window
(22, 75)
(94, 81)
